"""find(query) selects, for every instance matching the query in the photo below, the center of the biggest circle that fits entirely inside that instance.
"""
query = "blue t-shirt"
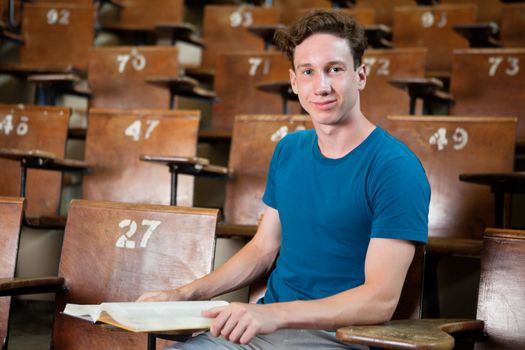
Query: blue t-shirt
(330, 209)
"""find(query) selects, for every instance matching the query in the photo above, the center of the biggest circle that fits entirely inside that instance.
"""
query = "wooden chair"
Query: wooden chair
(42, 25)
(115, 141)
(225, 30)
(489, 82)
(500, 309)
(251, 68)
(488, 10)
(116, 252)
(32, 128)
(512, 25)
(384, 8)
(432, 27)
(447, 147)
(11, 210)
(379, 98)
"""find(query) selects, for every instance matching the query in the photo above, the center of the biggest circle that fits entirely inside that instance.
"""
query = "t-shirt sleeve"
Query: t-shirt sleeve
(400, 199)
(269, 197)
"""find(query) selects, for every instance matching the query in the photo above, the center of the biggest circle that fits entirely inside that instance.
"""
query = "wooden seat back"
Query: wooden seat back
(448, 147)
(57, 35)
(490, 82)
(500, 301)
(117, 138)
(253, 141)
(116, 252)
(33, 128)
(512, 25)
(432, 27)
(380, 99)
(225, 29)
(488, 10)
(148, 13)
(11, 209)
(364, 15)
(384, 8)
(236, 79)
(117, 76)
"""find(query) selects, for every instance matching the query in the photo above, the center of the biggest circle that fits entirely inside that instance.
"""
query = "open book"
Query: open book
(147, 316)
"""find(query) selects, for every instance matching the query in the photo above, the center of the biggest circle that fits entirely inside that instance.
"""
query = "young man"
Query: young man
(346, 205)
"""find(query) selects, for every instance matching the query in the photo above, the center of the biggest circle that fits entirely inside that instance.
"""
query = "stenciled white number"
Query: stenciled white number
(135, 128)
(428, 19)
(58, 17)
(512, 66)
(7, 125)
(255, 62)
(124, 240)
(241, 18)
(383, 63)
(283, 131)
(439, 138)
(138, 61)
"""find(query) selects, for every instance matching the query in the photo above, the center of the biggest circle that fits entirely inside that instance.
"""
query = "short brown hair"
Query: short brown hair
(322, 21)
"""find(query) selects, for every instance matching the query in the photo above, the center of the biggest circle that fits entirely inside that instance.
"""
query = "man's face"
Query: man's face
(325, 80)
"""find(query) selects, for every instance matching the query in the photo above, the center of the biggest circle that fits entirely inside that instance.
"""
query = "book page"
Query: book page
(89, 313)
(161, 316)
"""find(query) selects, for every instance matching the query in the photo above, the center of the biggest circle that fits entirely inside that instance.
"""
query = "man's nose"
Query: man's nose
(323, 85)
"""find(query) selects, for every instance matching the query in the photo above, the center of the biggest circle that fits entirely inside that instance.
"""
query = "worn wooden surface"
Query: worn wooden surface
(101, 263)
(484, 144)
(117, 76)
(253, 141)
(500, 301)
(225, 29)
(384, 8)
(34, 128)
(490, 82)
(250, 68)
(117, 172)
(488, 10)
(432, 27)
(11, 209)
(512, 25)
(148, 13)
(380, 99)
(57, 34)
(425, 334)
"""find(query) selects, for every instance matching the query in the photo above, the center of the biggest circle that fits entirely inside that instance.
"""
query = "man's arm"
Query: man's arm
(253, 260)
(386, 265)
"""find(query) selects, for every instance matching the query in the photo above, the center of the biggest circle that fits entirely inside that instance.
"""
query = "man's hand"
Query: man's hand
(239, 323)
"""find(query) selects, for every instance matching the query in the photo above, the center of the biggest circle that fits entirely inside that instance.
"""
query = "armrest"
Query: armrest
(455, 246)
(183, 86)
(427, 334)
(379, 36)
(179, 32)
(8, 35)
(265, 32)
(53, 78)
(479, 34)
(212, 135)
(19, 286)
(37, 159)
(508, 182)
(231, 230)
(280, 87)
(205, 75)
(46, 222)
(190, 165)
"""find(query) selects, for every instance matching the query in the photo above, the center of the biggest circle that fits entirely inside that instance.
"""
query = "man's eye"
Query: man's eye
(336, 69)
(307, 72)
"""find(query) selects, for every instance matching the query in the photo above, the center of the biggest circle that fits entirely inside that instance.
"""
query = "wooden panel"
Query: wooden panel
(148, 13)
(117, 138)
(379, 98)
(287, 10)
(384, 8)
(475, 144)
(117, 76)
(57, 34)
(364, 15)
(253, 141)
(500, 302)
(490, 82)
(33, 128)
(10, 219)
(236, 78)
(224, 29)
(513, 25)
(100, 264)
(432, 27)
(488, 10)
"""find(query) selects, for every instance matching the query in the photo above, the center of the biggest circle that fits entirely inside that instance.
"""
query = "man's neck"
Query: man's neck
(335, 141)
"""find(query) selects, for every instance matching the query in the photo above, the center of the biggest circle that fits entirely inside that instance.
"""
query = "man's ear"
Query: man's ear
(293, 81)
(361, 74)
